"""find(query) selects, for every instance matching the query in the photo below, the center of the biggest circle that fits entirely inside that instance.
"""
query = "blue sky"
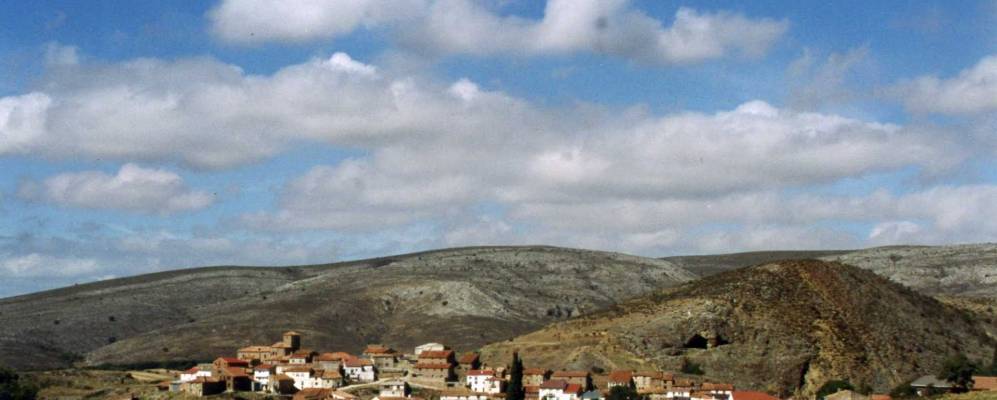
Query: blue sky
(137, 137)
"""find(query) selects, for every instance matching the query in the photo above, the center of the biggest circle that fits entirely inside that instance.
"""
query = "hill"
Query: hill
(956, 270)
(464, 297)
(783, 327)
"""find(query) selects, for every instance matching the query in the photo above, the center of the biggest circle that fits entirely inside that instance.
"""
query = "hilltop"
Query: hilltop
(465, 297)
(968, 270)
(782, 327)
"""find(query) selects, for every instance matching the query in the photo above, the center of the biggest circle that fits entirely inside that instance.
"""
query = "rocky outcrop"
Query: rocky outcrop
(784, 327)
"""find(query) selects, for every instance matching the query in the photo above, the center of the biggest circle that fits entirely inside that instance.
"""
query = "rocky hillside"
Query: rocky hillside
(783, 327)
(960, 270)
(464, 297)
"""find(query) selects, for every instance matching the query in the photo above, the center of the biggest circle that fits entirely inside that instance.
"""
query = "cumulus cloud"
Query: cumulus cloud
(612, 28)
(257, 21)
(132, 188)
(972, 91)
(604, 27)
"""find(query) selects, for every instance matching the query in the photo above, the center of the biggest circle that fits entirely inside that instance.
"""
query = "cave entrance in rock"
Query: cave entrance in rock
(697, 341)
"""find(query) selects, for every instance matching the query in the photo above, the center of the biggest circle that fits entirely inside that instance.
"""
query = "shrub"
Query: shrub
(958, 370)
(690, 367)
(13, 387)
(903, 391)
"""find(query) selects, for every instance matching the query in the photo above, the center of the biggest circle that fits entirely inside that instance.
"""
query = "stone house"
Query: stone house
(395, 389)
(583, 378)
(645, 380)
(469, 361)
(203, 386)
(535, 376)
(382, 356)
(620, 378)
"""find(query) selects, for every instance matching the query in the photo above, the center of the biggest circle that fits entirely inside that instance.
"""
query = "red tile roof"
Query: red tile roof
(554, 384)
(751, 395)
(573, 388)
(707, 386)
(883, 396)
(357, 362)
(337, 356)
(376, 349)
(192, 370)
(531, 389)
(621, 376)
(984, 382)
(232, 361)
(433, 354)
(235, 372)
(312, 394)
(431, 366)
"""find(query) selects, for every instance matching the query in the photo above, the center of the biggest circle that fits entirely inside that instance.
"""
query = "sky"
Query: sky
(144, 136)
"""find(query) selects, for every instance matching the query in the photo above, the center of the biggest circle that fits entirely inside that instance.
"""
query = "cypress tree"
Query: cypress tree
(515, 389)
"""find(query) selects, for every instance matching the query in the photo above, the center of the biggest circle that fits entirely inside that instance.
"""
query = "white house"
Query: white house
(194, 373)
(720, 391)
(302, 376)
(679, 392)
(557, 389)
(483, 381)
(261, 374)
(462, 394)
(359, 370)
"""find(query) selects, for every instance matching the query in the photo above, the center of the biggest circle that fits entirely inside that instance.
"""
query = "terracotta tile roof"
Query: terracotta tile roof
(332, 374)
(554, 384)
(621, 376)
(570, 374)
(573, 388)
(357, 362)
(881, 397)
(531, 389)
(303, 368)
(534, 371)
(435, 354)
(468, 358)
(192, 370)
(235, 372)
(263, 367)
(312, 394)
(283, 377)
(984, 382)
(752, 395)
(651, 374)
(458, 391)
(337, 356)
(684, 382)
(707, 386)
(479, 372)
(232, 361)
(431, 366)
(376, 349)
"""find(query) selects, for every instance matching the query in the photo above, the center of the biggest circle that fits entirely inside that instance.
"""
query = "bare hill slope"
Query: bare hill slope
(958, 270)
(465, 297)
(784, 327)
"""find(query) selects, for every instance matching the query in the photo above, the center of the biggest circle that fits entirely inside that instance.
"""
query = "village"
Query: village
(286, 369)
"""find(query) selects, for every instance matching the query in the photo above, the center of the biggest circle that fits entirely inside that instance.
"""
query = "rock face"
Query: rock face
(463, 297)
(784, 327)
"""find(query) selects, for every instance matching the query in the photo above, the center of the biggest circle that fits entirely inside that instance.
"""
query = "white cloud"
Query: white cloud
(39, 265)
(972, 91)
(603, 27)
(133, 188)
(461, 26)
(257, 21)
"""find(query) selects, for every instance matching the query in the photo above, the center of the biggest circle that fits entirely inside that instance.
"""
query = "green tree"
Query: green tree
(832, 387)
(958, 370)
(690, 367)
(623, 393)
(12, 387)
(903, 391)
(515, 389)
